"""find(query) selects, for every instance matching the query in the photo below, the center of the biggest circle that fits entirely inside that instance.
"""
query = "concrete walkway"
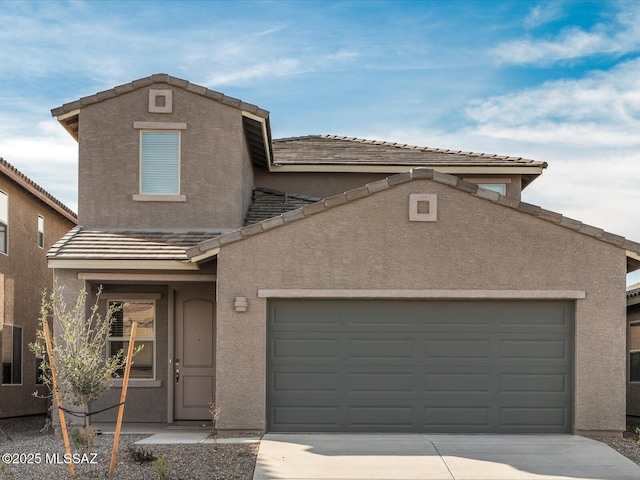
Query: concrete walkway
(439, 457)
(163, 434)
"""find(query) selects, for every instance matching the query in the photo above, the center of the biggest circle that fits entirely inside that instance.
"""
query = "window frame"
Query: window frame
(491, 186)
(4, 251)
(634, 323)
(124, 300)
(40, 231)
(13, 345)
(179, 163)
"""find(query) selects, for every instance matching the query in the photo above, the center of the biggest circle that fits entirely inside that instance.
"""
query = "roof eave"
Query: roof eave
(121, 264)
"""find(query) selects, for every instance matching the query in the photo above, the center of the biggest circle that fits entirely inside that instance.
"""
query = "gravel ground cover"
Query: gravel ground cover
(627, 445)
(182, 462)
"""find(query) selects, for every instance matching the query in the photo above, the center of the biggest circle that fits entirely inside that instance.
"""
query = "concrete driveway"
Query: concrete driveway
(441, 457)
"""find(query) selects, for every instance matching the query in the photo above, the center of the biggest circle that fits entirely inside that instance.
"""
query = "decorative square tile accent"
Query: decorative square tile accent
(423, 207)
(160, 101)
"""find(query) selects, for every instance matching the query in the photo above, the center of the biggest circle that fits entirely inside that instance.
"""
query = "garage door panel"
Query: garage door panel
(313, 383)
(377, 350)
(457, 348)
(306, 348)
(398, 417)
(309, 417)
(534, 418)
(528, 383)
(457, 381)
(536, 350)
(420, 366)
(452, 418)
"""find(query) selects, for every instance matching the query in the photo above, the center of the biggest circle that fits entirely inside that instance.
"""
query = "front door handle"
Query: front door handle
(177, 371)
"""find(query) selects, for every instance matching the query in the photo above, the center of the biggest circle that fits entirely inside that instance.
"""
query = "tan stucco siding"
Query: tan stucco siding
(211, 163)
(475, 244)
(327, 184)
(23, 277)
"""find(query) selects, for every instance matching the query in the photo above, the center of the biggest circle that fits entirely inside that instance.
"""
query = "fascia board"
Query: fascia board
(81, 264)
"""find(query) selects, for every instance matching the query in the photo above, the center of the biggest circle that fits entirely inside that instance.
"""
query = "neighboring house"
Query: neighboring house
(31, 220)
(414, 302)
(633, 372)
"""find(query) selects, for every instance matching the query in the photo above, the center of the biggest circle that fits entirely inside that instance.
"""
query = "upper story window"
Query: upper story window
(501, 188)
(160, 163)
(40, 231)
(4, 222)
(634, 352)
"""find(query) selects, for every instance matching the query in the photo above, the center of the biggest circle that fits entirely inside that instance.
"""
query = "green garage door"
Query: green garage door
(420, 366)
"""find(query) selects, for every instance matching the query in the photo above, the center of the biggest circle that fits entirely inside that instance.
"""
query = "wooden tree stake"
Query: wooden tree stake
(54, 377)
(123, 397)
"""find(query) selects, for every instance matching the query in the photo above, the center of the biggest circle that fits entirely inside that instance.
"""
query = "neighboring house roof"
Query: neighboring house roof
(320, 152)
(211, 247)
(114, 245)
(268, 203)
(36, 190)
(255, 119)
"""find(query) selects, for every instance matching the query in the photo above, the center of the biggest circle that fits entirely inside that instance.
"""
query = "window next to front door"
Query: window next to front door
(127, 312)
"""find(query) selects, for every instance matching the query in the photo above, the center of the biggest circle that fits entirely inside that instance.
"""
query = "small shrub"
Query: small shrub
(162, 466)
(140, 454)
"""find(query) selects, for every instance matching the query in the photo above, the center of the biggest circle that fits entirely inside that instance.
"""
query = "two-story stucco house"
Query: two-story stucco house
(31, 221)
(326, 283)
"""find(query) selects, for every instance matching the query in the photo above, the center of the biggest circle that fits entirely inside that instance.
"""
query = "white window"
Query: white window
(143, 312)
(159, 163)
(4, 222)
(40, 231)
(11, 355)
(501, 188)
(634, 352)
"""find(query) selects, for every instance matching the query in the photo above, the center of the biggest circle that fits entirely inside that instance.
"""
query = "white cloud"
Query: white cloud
(277, 68)
(47, 155)
(543, 13)
(618, 37)
(602, 109)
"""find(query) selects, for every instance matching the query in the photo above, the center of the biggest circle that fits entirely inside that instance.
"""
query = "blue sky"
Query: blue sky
(557, 81)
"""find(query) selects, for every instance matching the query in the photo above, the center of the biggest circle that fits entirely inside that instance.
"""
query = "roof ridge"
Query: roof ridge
(40, 193)
(159, 78)
(201, 250)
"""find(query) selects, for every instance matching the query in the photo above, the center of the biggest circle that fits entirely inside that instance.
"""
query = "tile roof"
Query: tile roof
(98, 244)
(268, 203)
(21, 179)
(209, 247)
(633, 290)
(159, 78)
(336, 150)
